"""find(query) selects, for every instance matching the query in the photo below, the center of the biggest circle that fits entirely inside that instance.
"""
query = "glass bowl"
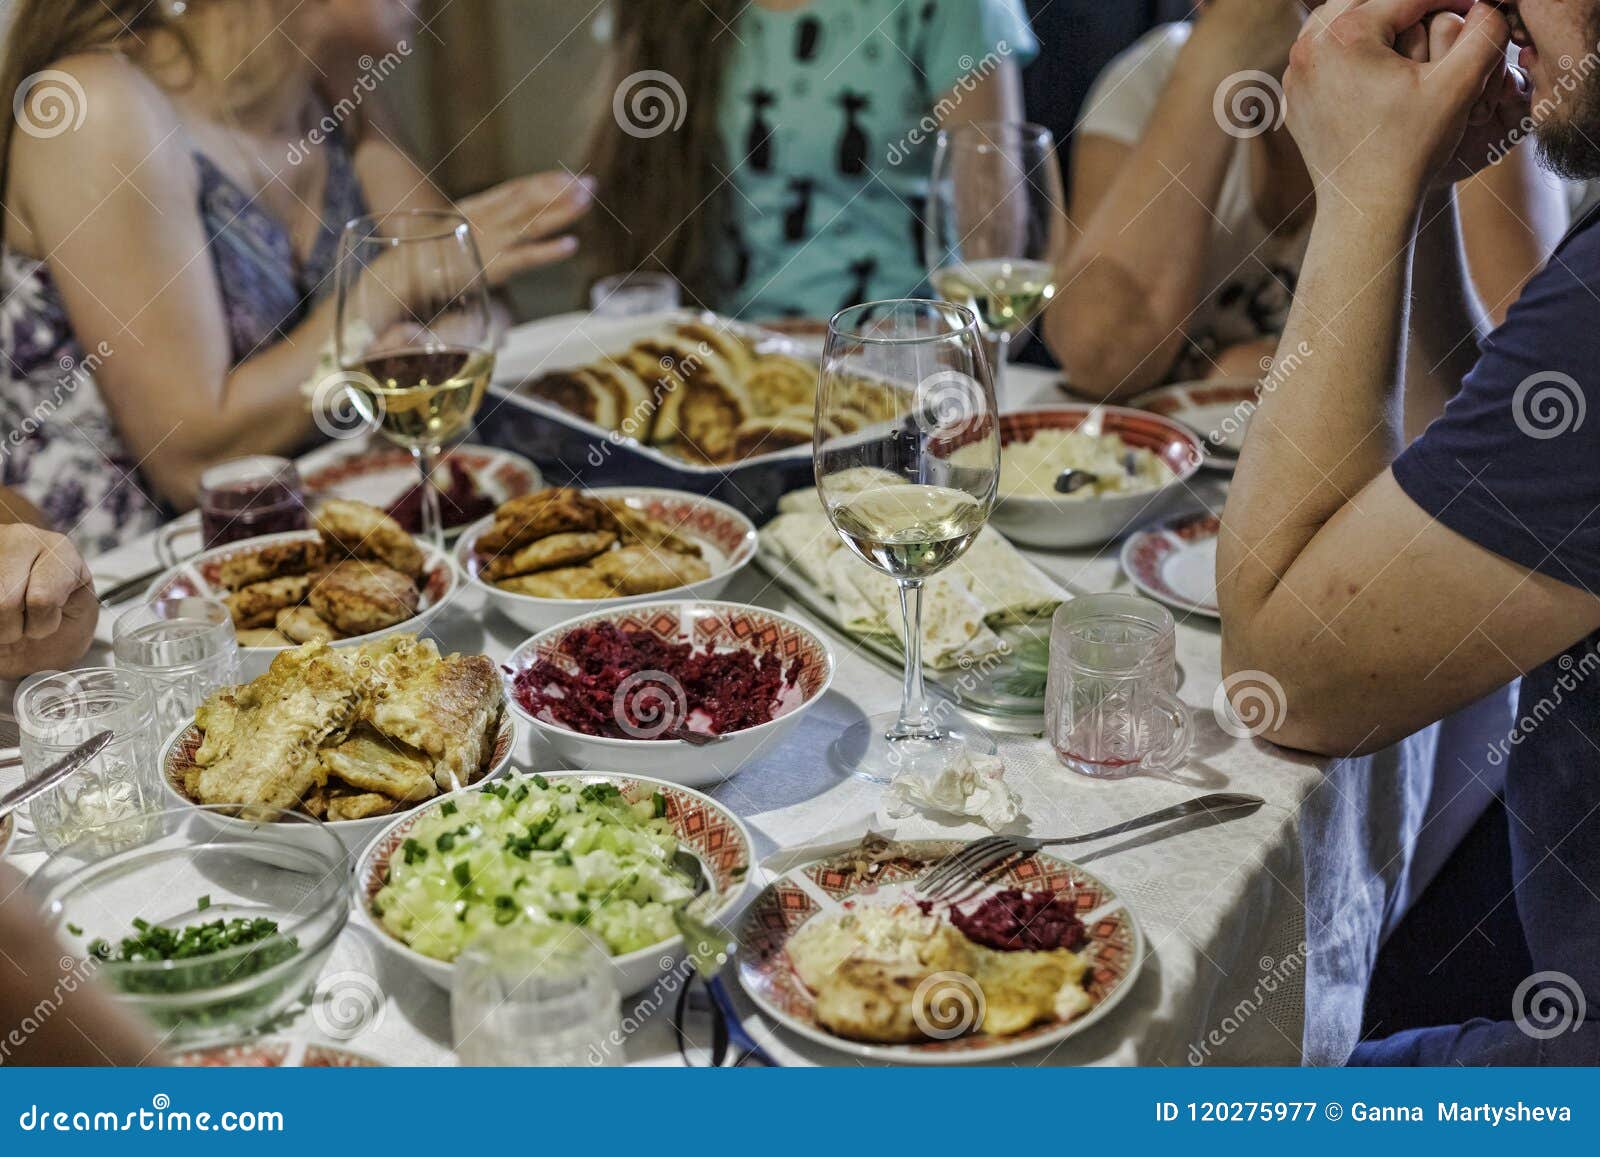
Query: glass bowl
(177, 868)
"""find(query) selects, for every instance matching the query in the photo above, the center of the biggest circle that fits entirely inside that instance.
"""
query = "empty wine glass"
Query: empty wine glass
(415, 334)
(995, 225)
(908, 480)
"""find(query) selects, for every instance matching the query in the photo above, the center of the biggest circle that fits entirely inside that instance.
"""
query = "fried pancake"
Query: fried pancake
(556, 550)
(362, 531)
(357, 597)
(304, 625)
(308, 695)
(359, 807)
(275, 560)
(1022, 989)
(556, 510)
(638, 570)
(262, 637)
(573, 582)
(639, 528)
(769, 435)
(258, 604)
(371, 762)
(778, 382)
(451, 712)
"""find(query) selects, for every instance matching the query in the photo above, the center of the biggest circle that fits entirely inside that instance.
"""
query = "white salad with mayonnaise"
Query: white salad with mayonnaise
(531, 851)
(1029, 469)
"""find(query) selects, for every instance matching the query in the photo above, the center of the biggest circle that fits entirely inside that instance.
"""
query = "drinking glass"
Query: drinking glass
(415, 334)
(1110, 707)
(519, 997)
(56, 711)
(184, 648)
(239, 499)
(634, 295)
(908, 489)
(995, 226)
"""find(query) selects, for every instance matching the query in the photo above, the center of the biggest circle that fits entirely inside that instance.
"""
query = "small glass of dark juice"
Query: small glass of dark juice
(248, 497)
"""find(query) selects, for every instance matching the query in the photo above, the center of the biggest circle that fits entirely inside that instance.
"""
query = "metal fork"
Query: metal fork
(956, 873)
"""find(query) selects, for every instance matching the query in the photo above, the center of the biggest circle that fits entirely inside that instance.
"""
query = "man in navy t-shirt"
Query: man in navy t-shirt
(1383, 585)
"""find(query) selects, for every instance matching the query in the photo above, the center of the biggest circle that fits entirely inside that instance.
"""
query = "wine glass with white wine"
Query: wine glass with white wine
(994, 226)
(907, 462)
(415, 334)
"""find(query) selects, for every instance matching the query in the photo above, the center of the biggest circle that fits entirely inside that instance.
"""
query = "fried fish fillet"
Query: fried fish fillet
(638, 528)
(307, 696)
(362, 531)
(555, 510)
(394, 660)
(275, 560)
(451, 712)
(370, 762)
(258, 604)
(304, 625)
(573, 582)
(357, 597)
(555, 550)
(638, 570)
(359, 807)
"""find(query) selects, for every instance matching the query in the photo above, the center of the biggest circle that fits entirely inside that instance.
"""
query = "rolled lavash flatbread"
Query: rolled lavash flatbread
(805, 541)
(1010, 589)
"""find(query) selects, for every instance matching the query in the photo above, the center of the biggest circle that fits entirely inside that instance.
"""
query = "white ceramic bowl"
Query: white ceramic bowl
(704, 827)
(177, 756)
(723, 625)
(726, 537)
(1065, 522)
(200, 576)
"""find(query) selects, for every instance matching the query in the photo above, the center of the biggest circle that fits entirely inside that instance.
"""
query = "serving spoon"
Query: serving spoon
(1070, 481)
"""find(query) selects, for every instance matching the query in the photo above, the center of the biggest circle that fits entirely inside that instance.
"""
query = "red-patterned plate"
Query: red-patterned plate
(1175, 562)
(273, 1054)
(1115, 949)
(703, 826)
(1219, 411)
(379, 474)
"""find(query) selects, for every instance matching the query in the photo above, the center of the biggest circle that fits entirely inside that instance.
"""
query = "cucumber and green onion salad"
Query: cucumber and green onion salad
(529, 851)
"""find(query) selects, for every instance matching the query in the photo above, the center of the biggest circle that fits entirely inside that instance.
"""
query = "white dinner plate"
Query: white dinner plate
(1175, 562)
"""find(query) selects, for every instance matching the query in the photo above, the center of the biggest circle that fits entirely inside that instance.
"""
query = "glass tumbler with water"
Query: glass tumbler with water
(536, 997)
(56, 711)
(185, 649)
(1110, 710)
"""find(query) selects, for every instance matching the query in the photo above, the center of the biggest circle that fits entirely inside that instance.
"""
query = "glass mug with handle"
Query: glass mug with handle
(1110, 707)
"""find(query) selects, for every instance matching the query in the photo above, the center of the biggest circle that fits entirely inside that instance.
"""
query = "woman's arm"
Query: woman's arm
(1513, 215)
(1144, 213)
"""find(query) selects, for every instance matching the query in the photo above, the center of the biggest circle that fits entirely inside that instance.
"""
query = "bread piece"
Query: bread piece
(357, 530)
(275, 560)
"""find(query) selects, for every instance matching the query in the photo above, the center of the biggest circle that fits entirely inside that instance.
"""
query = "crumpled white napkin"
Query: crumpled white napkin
(973, 785)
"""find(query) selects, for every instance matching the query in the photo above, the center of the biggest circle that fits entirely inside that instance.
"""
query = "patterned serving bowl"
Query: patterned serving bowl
(1061, 521)
(201, 575)
(703, 827)
(655, 698)
(727, 540)
(177, 758)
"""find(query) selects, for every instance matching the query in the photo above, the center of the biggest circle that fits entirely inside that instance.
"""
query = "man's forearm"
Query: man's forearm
(1331, 423)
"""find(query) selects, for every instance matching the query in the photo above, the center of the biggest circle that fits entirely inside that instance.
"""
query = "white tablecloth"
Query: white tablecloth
(1235, 934)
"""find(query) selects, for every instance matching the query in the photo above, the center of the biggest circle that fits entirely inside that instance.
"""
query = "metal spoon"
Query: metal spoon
(1070, 481)
(54, 774)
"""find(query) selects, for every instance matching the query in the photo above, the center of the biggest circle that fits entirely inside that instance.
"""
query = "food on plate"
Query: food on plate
(1030, 469)
(1013, 920)
(348, 734)
(561, 543)
(461, 500)
(535, 852)
(987, 588)
(704, 392)
(603, 680)
(359, 575)
(904, 973)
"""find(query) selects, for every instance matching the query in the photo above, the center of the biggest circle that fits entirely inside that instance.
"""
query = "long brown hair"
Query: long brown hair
(665, 196)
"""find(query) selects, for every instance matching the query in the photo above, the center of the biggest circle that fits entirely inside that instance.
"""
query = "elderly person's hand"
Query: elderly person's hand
(48, 609)
(1382, 112)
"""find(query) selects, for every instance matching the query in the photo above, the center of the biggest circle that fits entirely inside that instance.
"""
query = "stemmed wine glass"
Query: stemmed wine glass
(908, 488)
(995, 226)
(415, 335)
